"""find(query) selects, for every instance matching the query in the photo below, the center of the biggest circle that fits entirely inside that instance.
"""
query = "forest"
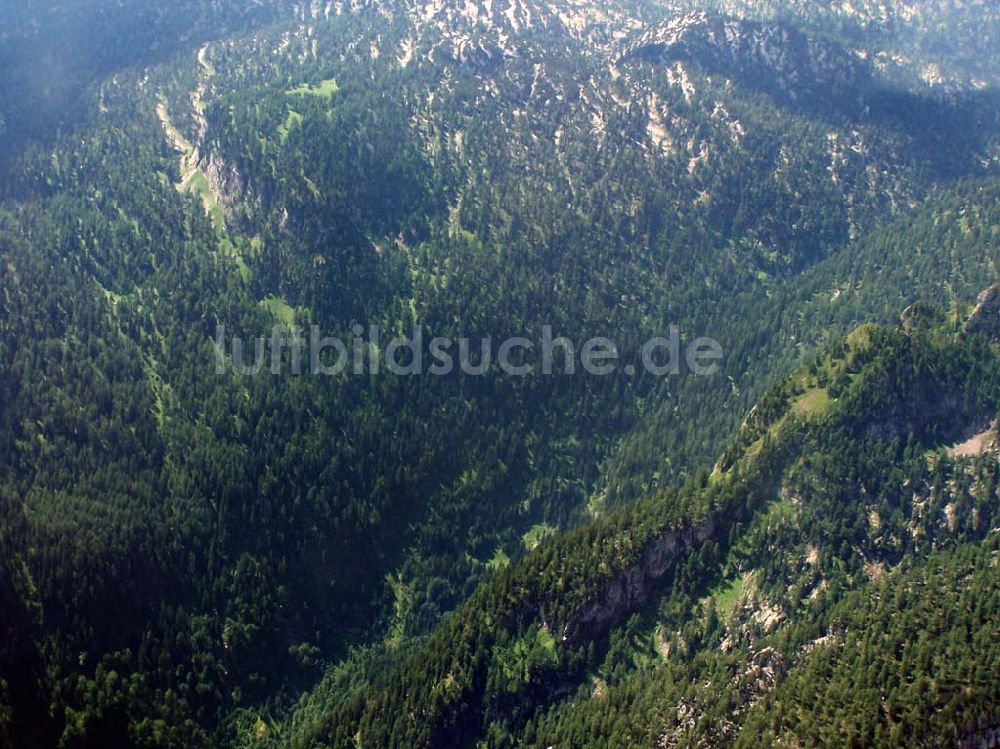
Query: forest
(195, 559)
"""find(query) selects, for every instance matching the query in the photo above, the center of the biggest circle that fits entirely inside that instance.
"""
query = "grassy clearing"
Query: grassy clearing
(519, 660)
(218, 217)
(198, 185)
(280, 309)
(293, 119)
(537, 534)
(233, 248)
(597, 505)
(728, 595)
(546, 641)
(324, 89)
(244, 270)
(809, 393)
(778, 514)
(814, 402)
(499, 561)
(861, 338)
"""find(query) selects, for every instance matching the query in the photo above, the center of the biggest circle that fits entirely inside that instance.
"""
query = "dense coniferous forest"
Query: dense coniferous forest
(800, 549)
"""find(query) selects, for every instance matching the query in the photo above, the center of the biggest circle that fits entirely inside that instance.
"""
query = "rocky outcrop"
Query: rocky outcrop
(774, 57)
(985, 318)
(921, 316)
(632, 588)
(227, 187)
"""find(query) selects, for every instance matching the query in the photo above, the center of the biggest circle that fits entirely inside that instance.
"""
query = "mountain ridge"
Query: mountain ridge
(770, 442)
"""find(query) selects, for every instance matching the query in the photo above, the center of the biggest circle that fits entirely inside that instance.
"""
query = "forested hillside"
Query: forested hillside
(190, 557)
(710, 612)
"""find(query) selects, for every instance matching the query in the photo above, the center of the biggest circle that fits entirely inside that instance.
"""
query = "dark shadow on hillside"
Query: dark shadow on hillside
(52, 53)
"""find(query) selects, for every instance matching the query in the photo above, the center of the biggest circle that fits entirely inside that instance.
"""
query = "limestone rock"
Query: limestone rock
(986, 317)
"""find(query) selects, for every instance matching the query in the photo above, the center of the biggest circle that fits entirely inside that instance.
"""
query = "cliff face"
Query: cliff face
(229, 189)
(986, 317)
(631, 589)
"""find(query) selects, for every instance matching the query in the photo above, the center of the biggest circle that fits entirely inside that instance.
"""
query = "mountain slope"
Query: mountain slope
(936, 44)
(188, 551)
(836, 476)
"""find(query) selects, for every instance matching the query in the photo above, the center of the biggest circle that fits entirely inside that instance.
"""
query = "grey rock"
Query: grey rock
(986, 316)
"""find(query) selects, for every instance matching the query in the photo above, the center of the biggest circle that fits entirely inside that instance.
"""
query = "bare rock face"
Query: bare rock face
(909, 320)
(986, 317)
(633, 587)
(921, 316)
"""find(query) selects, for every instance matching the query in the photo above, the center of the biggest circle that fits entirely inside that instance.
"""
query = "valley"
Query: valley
(798, 550)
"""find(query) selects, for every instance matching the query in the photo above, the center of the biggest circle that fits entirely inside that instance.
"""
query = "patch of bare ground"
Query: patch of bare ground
(978, 444)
